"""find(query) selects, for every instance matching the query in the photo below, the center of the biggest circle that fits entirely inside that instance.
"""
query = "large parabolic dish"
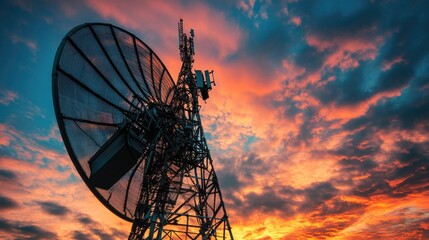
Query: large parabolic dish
(101, 74)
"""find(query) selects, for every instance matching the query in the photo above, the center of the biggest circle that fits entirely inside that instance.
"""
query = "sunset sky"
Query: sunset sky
(318, 125)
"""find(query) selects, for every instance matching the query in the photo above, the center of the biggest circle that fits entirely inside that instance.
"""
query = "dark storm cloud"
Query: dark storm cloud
(285, 201)
(396, 78)
(414, 167)
(350, 168)
(253, 165)
(316, 195)
(412, 172)
(309, 123)
(232, 198)
(242, 172)
(310, 117)
(53, 208)
(407, 23)
(413, 156)
(229, 176)
(334, 18)
(425, 232)
(6, 175)
(347, 89)
(416, 183)
(356, 165)
(373, 185)
(404, 112)
(291, 106)
(78, 235)
(310, 126)
(328, 21)
(102, 234)
(404, 34)
(96, 230)
(119, 234)
(269, 201)
(229, 179)
(105, 235)
(339, 206)
(25, 231)
(359, 144)
(7, 203)
(290, 191)
(85, 219)
(309, 58)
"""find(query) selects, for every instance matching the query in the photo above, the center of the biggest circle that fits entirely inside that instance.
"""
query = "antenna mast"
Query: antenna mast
(199, 211)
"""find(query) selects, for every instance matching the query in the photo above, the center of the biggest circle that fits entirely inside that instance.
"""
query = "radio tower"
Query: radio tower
(187, 203)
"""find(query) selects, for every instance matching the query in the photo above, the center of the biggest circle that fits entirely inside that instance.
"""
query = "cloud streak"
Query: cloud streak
(30, 44)
(6, 97)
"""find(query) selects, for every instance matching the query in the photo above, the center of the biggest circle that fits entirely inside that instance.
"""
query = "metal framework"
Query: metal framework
(180, 196)
(134, 136)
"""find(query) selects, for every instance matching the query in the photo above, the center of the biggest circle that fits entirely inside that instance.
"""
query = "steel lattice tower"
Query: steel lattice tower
(186, 201)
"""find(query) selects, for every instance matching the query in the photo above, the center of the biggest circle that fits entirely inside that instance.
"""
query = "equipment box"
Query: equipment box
(114, 159)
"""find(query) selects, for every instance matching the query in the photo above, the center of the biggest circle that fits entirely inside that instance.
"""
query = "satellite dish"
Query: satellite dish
(134, 136)
(98, 82)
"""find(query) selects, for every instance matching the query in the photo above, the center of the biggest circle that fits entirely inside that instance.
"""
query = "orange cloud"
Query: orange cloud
(5, 138)
(345, 53)
(216, 40)
(388, 64)
(296, 20)
(347, 112)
